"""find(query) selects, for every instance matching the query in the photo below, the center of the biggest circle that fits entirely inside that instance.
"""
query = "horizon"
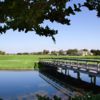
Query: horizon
(50, 50)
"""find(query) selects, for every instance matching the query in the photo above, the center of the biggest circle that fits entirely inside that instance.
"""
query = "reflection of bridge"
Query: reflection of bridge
(73, 86)
(91, 67)
(57, 84)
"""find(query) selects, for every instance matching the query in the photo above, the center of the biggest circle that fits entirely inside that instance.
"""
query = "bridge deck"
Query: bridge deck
(91, 67)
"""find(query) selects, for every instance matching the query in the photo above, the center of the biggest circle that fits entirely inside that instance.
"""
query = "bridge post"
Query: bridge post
(78, 75)
(61, 70)
(66, 63)
(98, 67)
(77, 64)
(70, 63)
(65, 71)
(87, 67)
(93, 79)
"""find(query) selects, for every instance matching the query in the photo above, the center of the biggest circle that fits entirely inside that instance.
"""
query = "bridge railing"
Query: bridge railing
(93, 65)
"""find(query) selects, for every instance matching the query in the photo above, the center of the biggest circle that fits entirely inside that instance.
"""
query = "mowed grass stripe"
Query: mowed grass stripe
(13, 62)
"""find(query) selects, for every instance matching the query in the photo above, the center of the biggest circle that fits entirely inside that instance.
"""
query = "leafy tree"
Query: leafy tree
(95, 52)
(85, 49)
(19, 53)
(28, 15)
(45, 51)
(72, 52)
(2, 53)
(62, 52)
(54, 53)
(38, 53)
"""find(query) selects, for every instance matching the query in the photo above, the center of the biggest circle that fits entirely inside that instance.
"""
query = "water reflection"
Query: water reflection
(25, 85)
(95, 80)
(20, 85)
(64, 88)
(76, 80)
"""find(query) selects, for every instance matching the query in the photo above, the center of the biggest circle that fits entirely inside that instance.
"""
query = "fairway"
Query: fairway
(18, 62)
(26, 62)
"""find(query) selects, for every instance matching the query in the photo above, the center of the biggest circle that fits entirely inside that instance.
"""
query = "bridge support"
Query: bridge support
(77, 64)
(87, 67)
(67, 71)
(93, 79)
(61, 70)
(78, 75)
(98, 65)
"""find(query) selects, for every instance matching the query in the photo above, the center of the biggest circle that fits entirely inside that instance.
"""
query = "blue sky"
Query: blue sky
(84, 32)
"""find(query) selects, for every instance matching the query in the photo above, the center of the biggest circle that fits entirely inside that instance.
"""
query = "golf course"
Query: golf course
(26, 62)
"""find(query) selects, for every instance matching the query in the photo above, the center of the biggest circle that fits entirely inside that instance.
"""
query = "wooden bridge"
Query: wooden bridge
(88, 66)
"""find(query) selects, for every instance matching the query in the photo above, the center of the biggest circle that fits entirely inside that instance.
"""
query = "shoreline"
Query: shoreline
(19, 69)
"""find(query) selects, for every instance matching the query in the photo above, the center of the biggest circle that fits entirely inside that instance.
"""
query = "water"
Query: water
(25, 85)
(83, 76)
(20, 85)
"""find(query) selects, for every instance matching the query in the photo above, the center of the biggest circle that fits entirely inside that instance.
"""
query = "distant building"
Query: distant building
(84, 53)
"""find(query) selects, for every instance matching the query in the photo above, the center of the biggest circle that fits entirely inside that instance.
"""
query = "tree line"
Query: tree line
(70, 52)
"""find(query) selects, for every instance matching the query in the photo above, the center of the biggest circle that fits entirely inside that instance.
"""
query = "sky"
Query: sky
(84, 32)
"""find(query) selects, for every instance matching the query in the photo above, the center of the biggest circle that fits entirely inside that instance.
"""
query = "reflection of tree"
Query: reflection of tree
(33, 96)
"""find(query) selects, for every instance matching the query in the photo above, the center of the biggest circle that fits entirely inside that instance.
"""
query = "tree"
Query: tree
(95, 52)
(45, 51)
(62, 52)
(54, 53)
(85, 49)
(2, 53)
(72, 52)
(28, 15)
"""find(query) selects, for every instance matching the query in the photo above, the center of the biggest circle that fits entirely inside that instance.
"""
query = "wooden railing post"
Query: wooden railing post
(77, 64)
(87, 67)
(70, 63)
(78, 75)
(98, 67)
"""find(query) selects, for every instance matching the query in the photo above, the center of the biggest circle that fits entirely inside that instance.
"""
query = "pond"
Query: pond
(83, 76)
(24, 85)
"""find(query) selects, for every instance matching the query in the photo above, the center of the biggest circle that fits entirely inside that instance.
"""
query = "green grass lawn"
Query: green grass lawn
(16, 62)
(26, 62)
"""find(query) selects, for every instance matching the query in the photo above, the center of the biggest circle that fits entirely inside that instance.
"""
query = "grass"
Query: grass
(26, 62)
(18, 62)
